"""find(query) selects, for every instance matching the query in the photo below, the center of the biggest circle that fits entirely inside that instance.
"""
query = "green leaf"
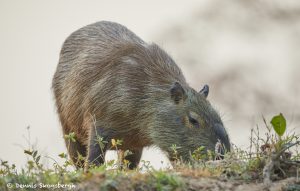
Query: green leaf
(279, 124)
(34, 154)
(71, 137)
(62, 155)
(28, 152)
(38, 159)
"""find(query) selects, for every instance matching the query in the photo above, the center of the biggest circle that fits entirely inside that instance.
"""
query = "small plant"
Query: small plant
(200, 154)
(164, 181)
(278, 157)
(145, 166)
(268, 158)
(174, 148)
(101, 143)
(35, 162)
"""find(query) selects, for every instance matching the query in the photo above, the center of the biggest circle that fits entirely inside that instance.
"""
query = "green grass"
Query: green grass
(268, 159)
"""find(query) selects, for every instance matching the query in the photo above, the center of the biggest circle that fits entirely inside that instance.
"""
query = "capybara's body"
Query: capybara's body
(110, 83)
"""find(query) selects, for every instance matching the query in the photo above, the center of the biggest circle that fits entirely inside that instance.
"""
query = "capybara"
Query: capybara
(109, 83)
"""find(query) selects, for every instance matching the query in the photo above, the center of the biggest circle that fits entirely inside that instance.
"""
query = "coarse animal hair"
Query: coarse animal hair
(111, 83)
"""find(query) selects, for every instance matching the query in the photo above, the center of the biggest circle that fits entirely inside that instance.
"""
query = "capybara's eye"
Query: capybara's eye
(194, 122)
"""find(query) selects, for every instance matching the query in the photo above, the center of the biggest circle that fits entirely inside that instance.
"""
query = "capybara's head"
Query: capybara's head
(188, 121)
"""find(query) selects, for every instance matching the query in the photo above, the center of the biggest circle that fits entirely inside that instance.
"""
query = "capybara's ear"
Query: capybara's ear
(205, 91)
(177, 92)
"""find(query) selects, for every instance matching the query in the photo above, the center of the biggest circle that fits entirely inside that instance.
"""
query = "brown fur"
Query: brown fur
(111, 83)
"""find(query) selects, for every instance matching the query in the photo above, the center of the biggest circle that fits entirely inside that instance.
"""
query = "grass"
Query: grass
(269, 159)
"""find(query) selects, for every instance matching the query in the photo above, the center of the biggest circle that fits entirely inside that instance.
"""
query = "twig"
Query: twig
(268, 168)
(251, 142)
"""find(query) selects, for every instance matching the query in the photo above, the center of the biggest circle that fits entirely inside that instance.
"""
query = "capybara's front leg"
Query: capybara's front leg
(134, 158)
(98, 144)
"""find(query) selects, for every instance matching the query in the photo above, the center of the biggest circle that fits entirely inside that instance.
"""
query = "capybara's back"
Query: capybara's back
(111, 84)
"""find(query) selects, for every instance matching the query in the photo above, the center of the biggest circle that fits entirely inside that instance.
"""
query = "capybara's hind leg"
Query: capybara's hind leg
(134, 158)
(98, 144)
(76, 149)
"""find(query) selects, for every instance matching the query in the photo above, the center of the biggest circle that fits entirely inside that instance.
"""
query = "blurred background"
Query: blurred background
(248, 51)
